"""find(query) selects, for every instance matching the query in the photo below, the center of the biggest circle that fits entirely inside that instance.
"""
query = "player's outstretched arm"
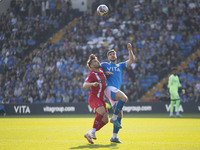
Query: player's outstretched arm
(131, 55)
(87, 85)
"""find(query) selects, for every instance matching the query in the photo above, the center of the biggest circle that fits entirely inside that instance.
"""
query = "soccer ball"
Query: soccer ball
(102, 10)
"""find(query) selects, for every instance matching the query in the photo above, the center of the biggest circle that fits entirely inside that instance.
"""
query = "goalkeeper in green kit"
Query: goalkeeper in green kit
(173, 85)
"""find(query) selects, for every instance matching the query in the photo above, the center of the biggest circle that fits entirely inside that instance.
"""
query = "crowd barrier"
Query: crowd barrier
(84, 108)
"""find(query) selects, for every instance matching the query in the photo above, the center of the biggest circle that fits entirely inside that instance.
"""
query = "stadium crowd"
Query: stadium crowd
(163, 33)
(20, 33)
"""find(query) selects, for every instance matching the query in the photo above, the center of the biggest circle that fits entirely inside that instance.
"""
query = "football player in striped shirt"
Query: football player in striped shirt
(96, 81)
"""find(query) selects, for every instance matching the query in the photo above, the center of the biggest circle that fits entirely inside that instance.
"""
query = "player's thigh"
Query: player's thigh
(121, 96)
(174, 95)
(105, 118)
(101, 110)
(110, 93)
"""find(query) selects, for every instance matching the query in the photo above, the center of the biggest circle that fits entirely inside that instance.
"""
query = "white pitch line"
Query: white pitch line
(46, 140)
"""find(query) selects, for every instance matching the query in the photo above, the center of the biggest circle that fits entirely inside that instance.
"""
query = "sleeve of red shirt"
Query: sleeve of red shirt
(90, 78)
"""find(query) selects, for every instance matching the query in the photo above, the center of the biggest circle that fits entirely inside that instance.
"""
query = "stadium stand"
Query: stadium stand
(163, 33)
(189, 77)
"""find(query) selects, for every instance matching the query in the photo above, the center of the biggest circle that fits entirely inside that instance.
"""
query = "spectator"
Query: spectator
(18, 94)
(48, 99)
(52, 98)
(29, 98)
(40, 82)
(59, 98)
(66, 98)
(35, 96)
(197, 91)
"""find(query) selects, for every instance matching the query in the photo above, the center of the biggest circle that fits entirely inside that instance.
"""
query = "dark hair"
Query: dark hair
(173, 68)
(91, 57)
(110, 51)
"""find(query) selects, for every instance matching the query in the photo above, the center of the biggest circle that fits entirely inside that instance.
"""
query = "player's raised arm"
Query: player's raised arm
(87, 85)
(131, 55)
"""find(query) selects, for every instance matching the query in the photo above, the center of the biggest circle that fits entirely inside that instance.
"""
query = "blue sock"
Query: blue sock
(119, 106)
(115, 129)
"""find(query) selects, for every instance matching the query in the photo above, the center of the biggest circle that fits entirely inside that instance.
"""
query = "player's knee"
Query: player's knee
(125, 99)
(106, 119)
(101, 110)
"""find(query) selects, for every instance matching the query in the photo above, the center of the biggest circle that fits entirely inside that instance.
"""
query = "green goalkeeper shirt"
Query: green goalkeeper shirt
(173, 83)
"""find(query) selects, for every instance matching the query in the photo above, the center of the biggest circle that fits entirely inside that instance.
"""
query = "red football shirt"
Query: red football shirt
(97, 77)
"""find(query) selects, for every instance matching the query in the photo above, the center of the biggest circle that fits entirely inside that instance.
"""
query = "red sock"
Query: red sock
(97, 120)
(101, 124)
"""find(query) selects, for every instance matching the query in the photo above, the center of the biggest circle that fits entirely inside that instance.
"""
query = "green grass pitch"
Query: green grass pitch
(139, 132)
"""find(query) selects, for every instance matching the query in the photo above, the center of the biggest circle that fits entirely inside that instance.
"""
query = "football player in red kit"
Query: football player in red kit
(96, 80)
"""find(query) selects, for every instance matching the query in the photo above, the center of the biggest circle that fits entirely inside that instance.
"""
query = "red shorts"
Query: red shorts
(95, 103)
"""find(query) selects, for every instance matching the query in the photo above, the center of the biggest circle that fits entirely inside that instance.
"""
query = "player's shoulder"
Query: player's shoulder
(101, 70)
(104, 63)
(91, 73)
(122, 64)
(171, 76)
